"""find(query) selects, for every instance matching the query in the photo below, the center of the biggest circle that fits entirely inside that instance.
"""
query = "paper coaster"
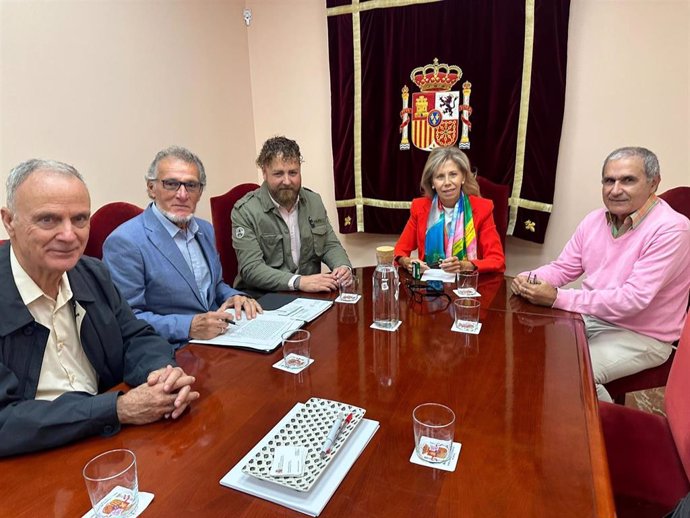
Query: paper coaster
(390, 329)
(144, 500)
(353, 301)
(448, 465)
(467, 292)
(474, 331)
(280, 365)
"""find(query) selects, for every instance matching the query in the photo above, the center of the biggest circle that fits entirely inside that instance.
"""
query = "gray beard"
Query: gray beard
(178, 220)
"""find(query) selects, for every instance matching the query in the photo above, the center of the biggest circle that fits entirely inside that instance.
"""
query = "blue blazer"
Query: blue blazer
(152, 275)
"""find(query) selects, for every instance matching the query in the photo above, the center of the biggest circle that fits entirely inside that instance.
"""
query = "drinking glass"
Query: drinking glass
(296, 348)
(466, 314)
(348, 290)
(434, 427)
(467, 282)
(111, 481)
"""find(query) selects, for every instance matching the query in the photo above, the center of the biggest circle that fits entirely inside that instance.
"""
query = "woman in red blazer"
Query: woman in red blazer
(451, 227)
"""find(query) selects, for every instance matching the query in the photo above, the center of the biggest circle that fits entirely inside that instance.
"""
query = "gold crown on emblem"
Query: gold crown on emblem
(435, 77)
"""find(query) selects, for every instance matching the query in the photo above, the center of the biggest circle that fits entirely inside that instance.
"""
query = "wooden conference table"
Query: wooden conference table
(521, 390)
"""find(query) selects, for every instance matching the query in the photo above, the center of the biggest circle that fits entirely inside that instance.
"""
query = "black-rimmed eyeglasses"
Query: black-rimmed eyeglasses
(420, 292)
(174, 185)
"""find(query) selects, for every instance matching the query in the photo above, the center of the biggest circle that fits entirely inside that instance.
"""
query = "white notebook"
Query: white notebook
(311, 502)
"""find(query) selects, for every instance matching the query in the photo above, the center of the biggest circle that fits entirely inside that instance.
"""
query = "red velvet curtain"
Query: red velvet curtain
(515, 117)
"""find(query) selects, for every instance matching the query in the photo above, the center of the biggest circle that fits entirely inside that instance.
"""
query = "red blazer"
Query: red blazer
(490, 257)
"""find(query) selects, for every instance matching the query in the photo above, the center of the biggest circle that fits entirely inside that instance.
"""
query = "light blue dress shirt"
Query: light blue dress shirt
(190, 249)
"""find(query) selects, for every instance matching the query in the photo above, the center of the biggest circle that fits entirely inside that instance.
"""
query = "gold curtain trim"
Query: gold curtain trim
(373, 4)
(372, 202)
(524, 112)
(387, 204)
(357, 123)
(529, 204)
(355, 8)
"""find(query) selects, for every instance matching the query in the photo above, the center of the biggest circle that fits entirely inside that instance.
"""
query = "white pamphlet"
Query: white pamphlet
(304, 309)
(436, 274)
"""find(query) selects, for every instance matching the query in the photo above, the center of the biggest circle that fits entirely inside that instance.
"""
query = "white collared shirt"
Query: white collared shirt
(190, 249)
(292, 221)
(65, 367)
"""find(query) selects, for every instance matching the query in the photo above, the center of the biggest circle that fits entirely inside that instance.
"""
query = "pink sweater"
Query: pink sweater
(639, 281)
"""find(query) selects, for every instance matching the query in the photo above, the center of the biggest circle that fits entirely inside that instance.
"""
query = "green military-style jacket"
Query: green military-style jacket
(262, 242)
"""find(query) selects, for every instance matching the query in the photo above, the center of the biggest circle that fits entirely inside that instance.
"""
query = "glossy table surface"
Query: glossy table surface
(521, 390)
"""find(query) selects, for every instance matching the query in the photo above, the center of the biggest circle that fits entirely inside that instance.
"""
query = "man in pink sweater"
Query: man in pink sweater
(635, 256)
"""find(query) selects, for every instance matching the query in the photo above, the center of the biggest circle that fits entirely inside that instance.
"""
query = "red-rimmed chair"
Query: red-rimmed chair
(679, 199)
(221, 207)
(104, 221)
(649, 455)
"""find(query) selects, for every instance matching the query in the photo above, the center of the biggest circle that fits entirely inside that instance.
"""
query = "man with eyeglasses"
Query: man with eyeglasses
(165, 262)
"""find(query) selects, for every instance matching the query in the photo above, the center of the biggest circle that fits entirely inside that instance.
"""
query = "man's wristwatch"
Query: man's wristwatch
(297, 281)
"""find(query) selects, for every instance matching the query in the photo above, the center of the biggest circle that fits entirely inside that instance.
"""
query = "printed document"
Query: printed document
(264, 333)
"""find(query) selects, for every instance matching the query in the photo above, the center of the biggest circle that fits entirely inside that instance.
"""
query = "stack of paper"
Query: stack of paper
(264, 332)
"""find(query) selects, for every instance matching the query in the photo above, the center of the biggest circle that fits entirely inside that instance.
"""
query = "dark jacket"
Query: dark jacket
(119, 346)
(262, 241)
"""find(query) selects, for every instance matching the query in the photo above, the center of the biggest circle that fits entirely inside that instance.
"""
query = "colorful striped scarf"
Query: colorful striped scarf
(439, 244)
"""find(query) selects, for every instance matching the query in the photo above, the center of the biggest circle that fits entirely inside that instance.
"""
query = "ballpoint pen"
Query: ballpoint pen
(338, 426)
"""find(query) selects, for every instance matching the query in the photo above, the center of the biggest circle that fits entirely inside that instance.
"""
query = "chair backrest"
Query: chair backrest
(104, 221)
(676, 398)
(499, 194)
(679, 199)
(221, 207)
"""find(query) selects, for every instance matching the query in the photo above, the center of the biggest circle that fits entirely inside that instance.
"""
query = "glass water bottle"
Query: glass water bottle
(385, 289)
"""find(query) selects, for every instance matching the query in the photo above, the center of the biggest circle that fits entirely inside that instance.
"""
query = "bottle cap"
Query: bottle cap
(385, 254)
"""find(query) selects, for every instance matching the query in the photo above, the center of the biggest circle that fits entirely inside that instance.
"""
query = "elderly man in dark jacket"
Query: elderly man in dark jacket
(66, 334)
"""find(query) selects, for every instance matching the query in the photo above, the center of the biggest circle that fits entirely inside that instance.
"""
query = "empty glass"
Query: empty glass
(434, 428)
(348, 290)
(296, 348)
(466, 314)
(467, 283)
(111, 480)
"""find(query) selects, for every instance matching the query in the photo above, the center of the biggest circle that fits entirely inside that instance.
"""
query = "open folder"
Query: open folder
(264, 332)
(310, 502)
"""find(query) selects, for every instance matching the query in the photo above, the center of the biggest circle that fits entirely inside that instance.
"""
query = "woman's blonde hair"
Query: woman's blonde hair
(437, 158)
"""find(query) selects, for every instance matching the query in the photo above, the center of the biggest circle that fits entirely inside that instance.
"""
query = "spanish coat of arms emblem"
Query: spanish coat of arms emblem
(437, 116)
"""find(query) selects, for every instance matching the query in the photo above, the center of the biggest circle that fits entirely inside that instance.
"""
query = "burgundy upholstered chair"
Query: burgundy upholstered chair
(649, 455)
(104, 221)
(499, 194)
(221, 207)
(679, 199)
